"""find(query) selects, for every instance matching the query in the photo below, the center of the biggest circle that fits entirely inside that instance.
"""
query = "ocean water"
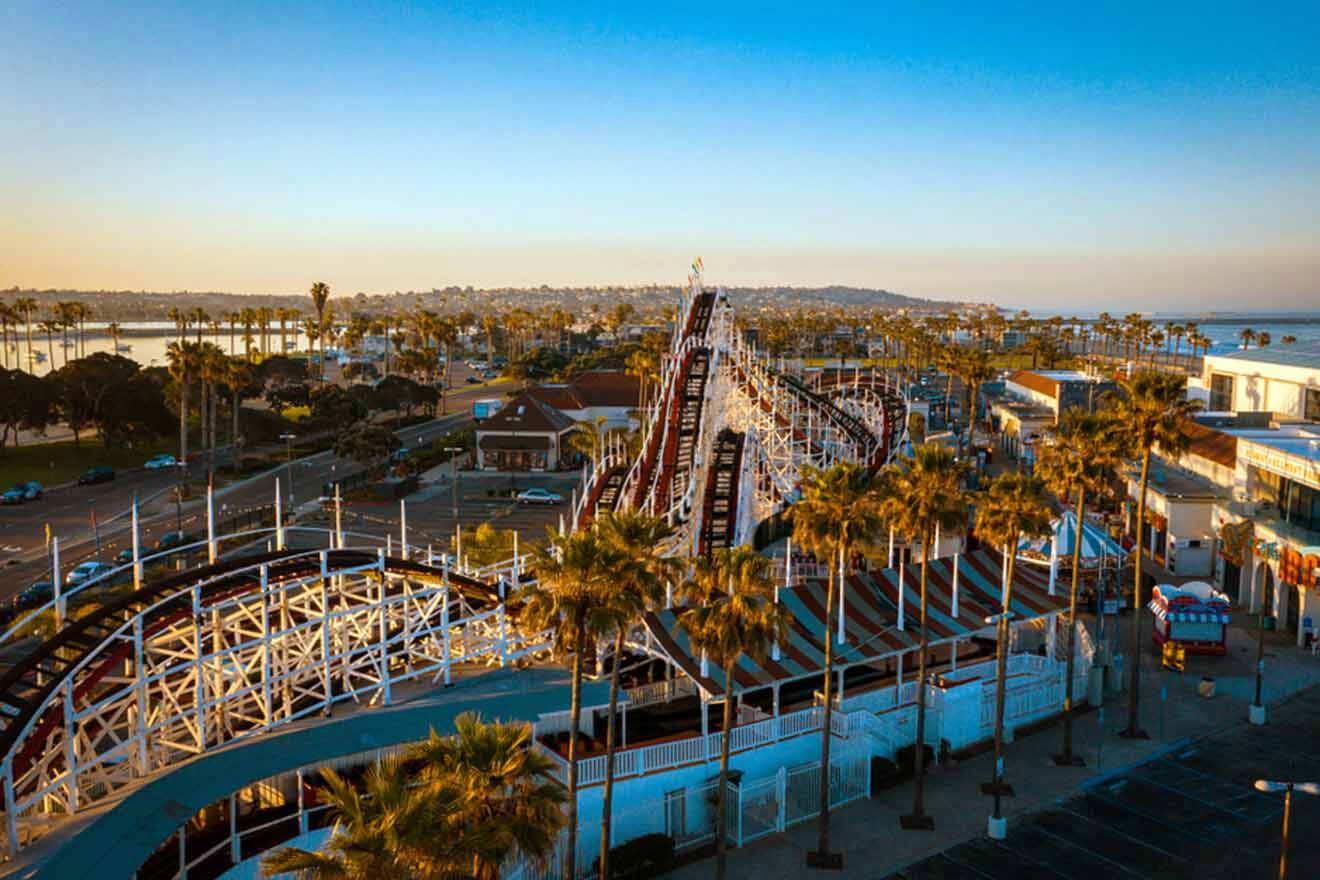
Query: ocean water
(1225, 329)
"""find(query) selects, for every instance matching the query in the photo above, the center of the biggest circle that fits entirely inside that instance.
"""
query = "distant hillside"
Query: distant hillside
(136, 305)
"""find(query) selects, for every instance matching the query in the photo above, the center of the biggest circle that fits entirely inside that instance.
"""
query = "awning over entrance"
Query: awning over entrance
(515, 442)
(871, 618)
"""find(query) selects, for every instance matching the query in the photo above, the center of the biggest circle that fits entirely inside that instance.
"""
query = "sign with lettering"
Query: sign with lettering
(1294, 467)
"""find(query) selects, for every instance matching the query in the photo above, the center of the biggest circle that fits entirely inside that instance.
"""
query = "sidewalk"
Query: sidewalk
(868, 833)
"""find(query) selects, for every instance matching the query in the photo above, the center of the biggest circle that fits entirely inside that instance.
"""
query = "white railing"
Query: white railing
(660, 692)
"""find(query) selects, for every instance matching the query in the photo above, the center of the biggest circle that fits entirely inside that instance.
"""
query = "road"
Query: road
(69, 510)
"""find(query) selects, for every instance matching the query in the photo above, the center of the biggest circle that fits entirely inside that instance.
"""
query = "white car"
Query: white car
(87, 571)
(539, 496)
(164, 460)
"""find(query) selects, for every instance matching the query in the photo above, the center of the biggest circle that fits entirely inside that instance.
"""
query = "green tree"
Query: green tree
(1010, 509)
(508, 802)
(1151, 409)
(26, 403)
(320, 294)
(367, 444)
(1075, 464)
(733, 615)
(638, 584)
(572, 572)
(924, 497)
(838, 511)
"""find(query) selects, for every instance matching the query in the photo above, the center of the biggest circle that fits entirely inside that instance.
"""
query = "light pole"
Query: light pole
(453, 473)
(288, 438)
(1256, 711)
(1265, 785)
(997, 825)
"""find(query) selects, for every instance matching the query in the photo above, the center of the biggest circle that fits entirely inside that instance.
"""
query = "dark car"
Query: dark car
(96, 475)
(123, 557)
(21, 492)
(170, 540)
(34, 594)
(473, 380)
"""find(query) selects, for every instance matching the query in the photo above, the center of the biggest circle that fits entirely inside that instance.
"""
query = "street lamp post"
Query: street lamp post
(1265, 785)
(288, 438)
(997, 825)
(1256, 711)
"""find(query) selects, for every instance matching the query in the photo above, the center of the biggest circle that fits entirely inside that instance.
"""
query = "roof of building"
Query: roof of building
(526, 413)
(871, 618)
(1210, 443)
(1302, 354)
(1035, 382)
(594, 388)
(1172, 483)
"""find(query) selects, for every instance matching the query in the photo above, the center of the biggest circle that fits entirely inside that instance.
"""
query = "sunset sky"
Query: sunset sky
(1148, 155)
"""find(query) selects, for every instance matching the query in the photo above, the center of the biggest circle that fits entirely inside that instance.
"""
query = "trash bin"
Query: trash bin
(1207, 687)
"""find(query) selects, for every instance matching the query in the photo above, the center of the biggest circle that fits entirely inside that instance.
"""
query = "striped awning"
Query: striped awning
(1157, 608)
(1095, 543)
(870, 602)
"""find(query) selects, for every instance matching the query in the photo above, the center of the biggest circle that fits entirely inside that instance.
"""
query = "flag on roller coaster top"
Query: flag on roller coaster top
(697, 265)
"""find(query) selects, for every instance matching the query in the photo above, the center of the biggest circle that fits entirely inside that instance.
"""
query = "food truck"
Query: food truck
(1193, 615)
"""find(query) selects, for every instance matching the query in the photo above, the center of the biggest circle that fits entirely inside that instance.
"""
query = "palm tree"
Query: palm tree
(734, 615)
(638, 584)
(182, 358)
(924, 498)
(320, 294)
(49, 327)
(200, 318)
(312, 331)
(974, 368)
(839, 509)
(1263, 338)
(572, 573)
(1286, 339)
(508, 803)
(1076, 463)
(387, 831)
(7, 317)
(114, 330)
(25, 306)
(1151, 409)
(1011, 508)
(238, 376)
(1247, 335)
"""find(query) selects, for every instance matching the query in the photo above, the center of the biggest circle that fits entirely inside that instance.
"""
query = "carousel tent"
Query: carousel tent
(1095, 543)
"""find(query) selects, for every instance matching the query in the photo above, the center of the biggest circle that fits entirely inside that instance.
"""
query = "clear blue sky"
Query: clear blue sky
(1161, 155)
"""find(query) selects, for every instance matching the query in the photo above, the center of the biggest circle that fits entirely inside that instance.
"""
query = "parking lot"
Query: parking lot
(1191, 812)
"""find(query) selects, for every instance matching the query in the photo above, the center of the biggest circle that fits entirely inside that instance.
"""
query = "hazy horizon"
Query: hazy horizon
(1132, 157)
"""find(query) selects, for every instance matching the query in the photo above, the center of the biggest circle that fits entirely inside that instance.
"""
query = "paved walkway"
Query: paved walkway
(868, 832)
(117, 837)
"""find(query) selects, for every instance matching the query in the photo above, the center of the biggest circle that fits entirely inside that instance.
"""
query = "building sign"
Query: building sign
(1274, 461)
(1234, 539)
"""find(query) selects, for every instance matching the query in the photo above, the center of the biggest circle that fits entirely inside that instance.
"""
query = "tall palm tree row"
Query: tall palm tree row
(1151, 409)
(732, 614)
(1009, 510)
(572, 573)
(320, 294)
(924, 498)
(1077, 463)
(840, 509)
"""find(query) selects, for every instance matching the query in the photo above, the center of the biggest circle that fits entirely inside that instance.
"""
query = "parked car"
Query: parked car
(29, 491)
(125, 556)
(164, 460)
(539, 496)
(87, 571)
(34, 594)
(96, 475)
(473, 380)
(170, 540)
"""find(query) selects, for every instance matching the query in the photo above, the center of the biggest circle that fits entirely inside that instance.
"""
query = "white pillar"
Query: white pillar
(279, 517)
(1003, 576)
(902, 593)
(57, 582)
(137, 548)
(458, 543)
(954, 608)
(403, 527)
(1054, 561)
(517, 578)
(843, 584)
(891, 549)
(339, 518)
(210, 523)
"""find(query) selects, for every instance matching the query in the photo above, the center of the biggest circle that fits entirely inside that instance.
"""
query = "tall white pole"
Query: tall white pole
(403, 527)
(458, 544)
(57, 582)
(954, 608)
(279, 517)
(137, 548)
(210, 523)
(1004, 575)
(891, 548)
(902, 592)
(516, 572)
(843, 592)
(1054, 561)
(339, 519)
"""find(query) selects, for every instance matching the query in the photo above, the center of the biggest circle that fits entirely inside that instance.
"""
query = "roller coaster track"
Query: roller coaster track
(196, 659)
(719, 513)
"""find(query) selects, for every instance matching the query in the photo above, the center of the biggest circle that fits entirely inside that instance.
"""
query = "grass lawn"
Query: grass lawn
(53, 463)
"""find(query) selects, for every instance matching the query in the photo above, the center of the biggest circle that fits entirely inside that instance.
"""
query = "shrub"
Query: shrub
(642, 857)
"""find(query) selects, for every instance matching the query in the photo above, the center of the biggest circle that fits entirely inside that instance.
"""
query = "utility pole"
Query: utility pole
(453, 472)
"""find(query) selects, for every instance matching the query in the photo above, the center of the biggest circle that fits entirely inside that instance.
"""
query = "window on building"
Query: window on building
(1311, 409)
(1221, 393)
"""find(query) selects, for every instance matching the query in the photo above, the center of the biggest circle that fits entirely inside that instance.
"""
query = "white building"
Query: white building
(1283, 380)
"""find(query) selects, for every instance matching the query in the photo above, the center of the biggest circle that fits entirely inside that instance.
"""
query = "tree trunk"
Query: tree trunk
(606, 815)
(823, 837)
(575, 703)
(1072, 627)
(919, 755)
(183, 418)
(233, 437)
(1001, 674)
(1134, 679)
(721, 823)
